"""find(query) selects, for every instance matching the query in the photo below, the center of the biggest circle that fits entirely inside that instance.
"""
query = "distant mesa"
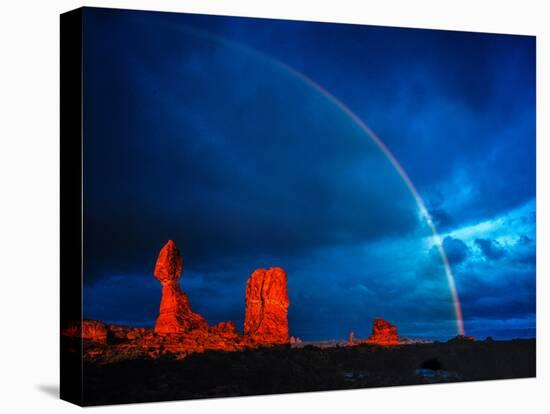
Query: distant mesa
(266, 313)
(461, 339)
(383, 333)
(175, 314)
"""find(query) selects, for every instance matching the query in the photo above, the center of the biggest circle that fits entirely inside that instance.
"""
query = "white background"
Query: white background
(29, 206)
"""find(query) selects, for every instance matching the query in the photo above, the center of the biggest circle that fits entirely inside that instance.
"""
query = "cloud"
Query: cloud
(490, 248)
(497, 283)
(456, 250)
(256, 163)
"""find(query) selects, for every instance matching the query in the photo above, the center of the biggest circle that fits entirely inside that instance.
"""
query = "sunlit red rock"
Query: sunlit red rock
(72, 331)
(91, 330)
(175, 314)
(169, 263)
(122, 333)
(226, 329)
(94, 330)
(266, 314)
(383, 333)
(179, 331)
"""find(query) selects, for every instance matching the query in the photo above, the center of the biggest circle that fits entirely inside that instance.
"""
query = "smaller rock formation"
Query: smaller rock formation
(94, 330)
(90, 330)
(383, 333)
(266, 314)
(351, 338)
(175, 314)
(72, 330)
(295, 340)
(226, 330)
(461, 339)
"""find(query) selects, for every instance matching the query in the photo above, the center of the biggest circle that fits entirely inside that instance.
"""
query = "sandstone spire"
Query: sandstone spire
(175, 314)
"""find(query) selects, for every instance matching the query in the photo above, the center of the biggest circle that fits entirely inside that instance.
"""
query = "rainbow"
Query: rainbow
(401, 171)
(379, 143)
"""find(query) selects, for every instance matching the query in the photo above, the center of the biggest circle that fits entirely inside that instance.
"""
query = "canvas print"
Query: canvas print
(272, 206)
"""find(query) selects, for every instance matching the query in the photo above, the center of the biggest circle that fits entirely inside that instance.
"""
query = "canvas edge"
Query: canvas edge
(71, 201)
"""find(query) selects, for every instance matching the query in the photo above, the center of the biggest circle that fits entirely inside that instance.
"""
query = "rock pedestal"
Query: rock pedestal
(175, 314)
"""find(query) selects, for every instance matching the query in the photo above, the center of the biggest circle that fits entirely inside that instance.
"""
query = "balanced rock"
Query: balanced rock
(266, 314)
(175, 314)
(383, 333)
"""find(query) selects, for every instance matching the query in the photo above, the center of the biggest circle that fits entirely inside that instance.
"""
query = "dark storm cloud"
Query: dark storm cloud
(456, 250)
(456, 108)
(491, 248)
(442, 219)
(245, 166)
(506, 309)
(497, 283)
(202, 163)
(525, 252)
(513, 296)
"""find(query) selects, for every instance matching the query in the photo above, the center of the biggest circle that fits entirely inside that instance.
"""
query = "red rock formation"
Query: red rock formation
(72, 331)
(175, 314)
(383, 333)
(266, 320)
(179, 331)
(94, 330)
(91, 330)
(137, 343)
(226, 329)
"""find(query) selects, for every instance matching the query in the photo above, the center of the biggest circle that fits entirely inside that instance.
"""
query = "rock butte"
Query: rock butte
(383, 333)
(266, 313)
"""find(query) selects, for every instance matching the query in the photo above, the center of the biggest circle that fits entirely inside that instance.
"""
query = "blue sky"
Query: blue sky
(194, 132)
